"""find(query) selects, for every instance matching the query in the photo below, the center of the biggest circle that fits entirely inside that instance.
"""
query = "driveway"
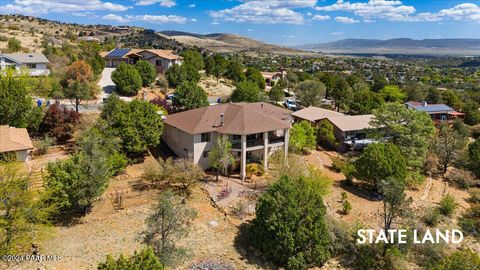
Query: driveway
(107, 86)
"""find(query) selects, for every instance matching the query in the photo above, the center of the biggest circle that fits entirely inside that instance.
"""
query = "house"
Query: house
(15, 140)
(351, 131)
(160, 59)
(440, 113)
(34, 63)
(314, 115)
(272, 78)
(256, 130)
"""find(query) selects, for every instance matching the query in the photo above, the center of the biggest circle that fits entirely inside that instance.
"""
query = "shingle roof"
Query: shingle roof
(313, 114)
(167, 54)
(26, 58)
(352, 122)
(239, 119)
(14, 139)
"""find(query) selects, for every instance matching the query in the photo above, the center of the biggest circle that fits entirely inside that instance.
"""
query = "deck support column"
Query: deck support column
(243, 157)
(265, 151)
(285, 144)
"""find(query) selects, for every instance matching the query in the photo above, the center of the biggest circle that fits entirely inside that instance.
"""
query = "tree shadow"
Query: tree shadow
(358, 190)
(242, 244)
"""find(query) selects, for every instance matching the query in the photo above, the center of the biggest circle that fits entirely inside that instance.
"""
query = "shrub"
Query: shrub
(254, 169)
(58, 123)
(447, 205)
(459, 260)
(338, 164)
(290, 227)
(147, 72)
(470, 221)
(432, 217)
(43, 145)
(145, 260)
(346, 205)
(246, 91)
(302, 137)
(127, 79)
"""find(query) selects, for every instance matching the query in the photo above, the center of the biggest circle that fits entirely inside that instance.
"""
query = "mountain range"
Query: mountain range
(461, 46)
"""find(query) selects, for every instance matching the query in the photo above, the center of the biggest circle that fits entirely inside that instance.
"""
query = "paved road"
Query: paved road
(107, 86)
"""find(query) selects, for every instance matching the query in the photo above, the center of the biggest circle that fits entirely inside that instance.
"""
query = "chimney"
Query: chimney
(221, 119)
(424, 103)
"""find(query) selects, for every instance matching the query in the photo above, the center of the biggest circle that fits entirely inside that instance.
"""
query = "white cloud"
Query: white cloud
(115, 18)
(384, 9)
(465, 11)
(321, 17)
(336, 33)
(161, 19)
(265, 12)
(192, 5)
(346, 20)
(39, 7)
(163, 3)
(193, 20)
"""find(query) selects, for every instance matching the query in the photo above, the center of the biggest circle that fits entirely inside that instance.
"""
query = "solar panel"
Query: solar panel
(118, 53)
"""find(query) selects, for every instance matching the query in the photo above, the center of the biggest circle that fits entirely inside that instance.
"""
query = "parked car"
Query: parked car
(291, 104)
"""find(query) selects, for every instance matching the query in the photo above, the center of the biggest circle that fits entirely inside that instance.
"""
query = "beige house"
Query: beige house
(160, 59)
(15, 140)
(351, 131)
(256, 130)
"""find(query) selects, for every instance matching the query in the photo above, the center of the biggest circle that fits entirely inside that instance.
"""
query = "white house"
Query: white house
(255, 131)
(160, 59)
(34, 63)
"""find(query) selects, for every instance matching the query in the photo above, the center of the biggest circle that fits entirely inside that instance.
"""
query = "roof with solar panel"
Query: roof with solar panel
(118, 53)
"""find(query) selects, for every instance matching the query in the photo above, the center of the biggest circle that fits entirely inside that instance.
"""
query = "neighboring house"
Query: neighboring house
(314, 115)
(34, 63)
(15, 140)
(440, 113)
(273, 77)
(255, 130)
(351, 131)
(160, 59)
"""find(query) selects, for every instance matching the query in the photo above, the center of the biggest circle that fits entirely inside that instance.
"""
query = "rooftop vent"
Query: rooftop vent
(222, 119)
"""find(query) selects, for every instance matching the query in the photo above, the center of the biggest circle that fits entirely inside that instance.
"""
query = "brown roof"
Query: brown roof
(167, 54)
(352, 122)
(239, 119)
(14, 139)
(313, 114)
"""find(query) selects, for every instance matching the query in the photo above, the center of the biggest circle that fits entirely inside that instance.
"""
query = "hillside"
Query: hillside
(399, 46)
(224, 43)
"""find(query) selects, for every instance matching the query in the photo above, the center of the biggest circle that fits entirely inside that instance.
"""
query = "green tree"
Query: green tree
(310, 92)
(341, 93)
(194, 58)
(472, 113)
(209, 65)
(16, 104)
(246, 91)
(21, 216)
(189, 96)
(167, 224)
(187, 174)
(147, 72)
(176, 75)
(78, 92)
(127, 79)
(276, 93)
(449, 146)
(410, 130)
(365, 101)
(380, 161)
(90, 52)
(145, 260)
(302, 137)
(14, 45)
(220, 156)
(254, 75)
(395, 201)
(325, 134)
(393, 93)
(235, 71)
(474, 157)
(220, 67)
(136, 123)
(289, 227)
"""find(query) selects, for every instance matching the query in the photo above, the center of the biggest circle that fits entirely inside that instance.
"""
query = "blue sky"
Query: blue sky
(286, 22)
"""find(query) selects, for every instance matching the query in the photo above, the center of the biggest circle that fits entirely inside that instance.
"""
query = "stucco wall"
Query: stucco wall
(180, 142)
(201, 147)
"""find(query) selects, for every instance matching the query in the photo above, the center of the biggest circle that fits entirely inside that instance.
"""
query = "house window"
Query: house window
(205, 137)
(32, 66)
(205, 154)
(158, 63)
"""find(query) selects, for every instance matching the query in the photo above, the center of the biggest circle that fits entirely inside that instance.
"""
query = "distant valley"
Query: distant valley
(464, 47)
